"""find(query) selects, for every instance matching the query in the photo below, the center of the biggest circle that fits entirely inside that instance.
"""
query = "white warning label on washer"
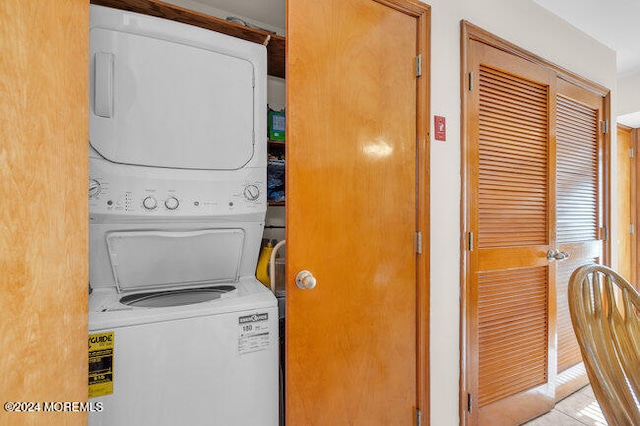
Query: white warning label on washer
(253, 333)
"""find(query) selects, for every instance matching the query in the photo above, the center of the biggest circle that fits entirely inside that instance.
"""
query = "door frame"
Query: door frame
(469, 33)
(422, 13)
(634, 240)
(635, 202)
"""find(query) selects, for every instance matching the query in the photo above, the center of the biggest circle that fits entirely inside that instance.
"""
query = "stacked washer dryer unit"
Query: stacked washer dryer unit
(177, 206)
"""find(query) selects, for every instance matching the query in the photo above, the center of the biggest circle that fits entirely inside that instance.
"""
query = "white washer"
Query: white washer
(181, 332)
(210, 363)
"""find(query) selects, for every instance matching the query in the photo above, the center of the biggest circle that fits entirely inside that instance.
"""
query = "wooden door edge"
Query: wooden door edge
(423, 220)
(635, 203)
(633, 200)
(606, 180)
(422, 13)
(465, 39)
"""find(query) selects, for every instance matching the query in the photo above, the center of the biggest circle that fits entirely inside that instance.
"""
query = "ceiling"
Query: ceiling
(613, 23)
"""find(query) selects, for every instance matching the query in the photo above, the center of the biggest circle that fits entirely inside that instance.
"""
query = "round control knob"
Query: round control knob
(150, 203)
(171, 203)
(94, 188)
(251, 192)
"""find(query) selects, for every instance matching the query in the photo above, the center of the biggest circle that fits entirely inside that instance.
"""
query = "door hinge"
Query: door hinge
(631, 152)
(632, 229)
(471, 81)
(419, 242)
(605, 126)
(470, 241)
(469, 402)
(418, 417)
(419, 65)
(604, 233)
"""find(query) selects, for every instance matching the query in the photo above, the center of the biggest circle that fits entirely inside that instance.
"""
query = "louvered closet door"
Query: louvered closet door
(511, 353)
(578, 142)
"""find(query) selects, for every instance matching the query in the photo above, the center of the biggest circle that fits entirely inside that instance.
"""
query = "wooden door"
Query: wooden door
(579, 216)
(534, 155)
(626, 177)
(356, 161)
(511, 205)
(43, 208)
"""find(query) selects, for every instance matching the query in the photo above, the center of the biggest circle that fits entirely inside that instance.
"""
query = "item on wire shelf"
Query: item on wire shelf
(276, 180)
(276, 123)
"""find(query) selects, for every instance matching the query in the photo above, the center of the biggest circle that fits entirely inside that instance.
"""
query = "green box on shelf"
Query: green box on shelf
(276, 125)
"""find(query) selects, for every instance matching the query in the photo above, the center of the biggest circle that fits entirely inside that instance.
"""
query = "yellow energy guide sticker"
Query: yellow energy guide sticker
(100, 364)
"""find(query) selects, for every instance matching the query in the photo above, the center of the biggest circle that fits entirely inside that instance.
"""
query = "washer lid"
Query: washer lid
(174, 259)
(164, 103)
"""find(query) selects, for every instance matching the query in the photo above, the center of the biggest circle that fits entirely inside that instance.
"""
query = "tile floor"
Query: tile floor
(579, 409)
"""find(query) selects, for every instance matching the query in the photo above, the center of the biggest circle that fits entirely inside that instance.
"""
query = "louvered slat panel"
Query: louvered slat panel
(577, 165)
(513, 158)
(512, 332)
(568, 349)
(577, 202)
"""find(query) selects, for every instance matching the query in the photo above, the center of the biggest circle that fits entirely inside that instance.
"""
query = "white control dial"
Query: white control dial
(251, 192)
(150, 203)
(94, 188)
(171, 203)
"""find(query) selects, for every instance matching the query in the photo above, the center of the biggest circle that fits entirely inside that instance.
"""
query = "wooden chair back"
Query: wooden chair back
(605, 312)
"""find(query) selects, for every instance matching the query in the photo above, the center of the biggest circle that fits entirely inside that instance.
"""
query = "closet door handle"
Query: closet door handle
(305, 280)
(557, 255)
(103, 85)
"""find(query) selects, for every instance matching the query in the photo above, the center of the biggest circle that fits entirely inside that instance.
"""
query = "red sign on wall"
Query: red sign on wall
(440, 127)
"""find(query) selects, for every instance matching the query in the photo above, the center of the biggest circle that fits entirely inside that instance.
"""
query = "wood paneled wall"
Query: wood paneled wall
(43, 206)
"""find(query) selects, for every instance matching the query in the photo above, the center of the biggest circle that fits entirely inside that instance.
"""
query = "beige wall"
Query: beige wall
(629, 94)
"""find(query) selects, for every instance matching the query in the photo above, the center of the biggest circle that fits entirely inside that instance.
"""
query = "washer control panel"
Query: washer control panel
(172, 194)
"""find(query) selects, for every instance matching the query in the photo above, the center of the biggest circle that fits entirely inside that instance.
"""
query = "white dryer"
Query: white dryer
(180, 330)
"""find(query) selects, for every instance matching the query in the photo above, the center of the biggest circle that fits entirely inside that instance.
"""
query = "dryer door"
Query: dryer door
(169, 104)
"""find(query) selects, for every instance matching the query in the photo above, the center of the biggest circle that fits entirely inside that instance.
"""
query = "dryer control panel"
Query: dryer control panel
(143, 191)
